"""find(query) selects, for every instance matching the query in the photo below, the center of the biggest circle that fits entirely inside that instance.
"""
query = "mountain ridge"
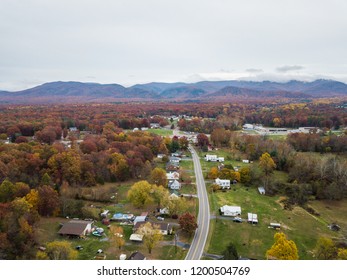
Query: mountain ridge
(80, 92)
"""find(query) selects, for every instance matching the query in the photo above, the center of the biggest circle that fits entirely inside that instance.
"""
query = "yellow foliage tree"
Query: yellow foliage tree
(60, 250)
(282, 249)
(140, 194)
(325, 249)
(158, 177)
(342, 254)
(151, 235)
(33, 198)
(116, 236)
(213, 174)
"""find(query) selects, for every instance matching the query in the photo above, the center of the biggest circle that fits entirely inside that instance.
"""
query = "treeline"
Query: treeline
(330, 115)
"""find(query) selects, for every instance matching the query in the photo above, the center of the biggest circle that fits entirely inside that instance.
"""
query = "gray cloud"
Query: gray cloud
(129, 42)
(288, 68)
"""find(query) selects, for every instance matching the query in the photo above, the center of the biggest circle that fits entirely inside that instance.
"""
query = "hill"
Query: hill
(77, 92)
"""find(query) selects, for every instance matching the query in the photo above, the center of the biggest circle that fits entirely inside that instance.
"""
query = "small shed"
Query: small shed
(275, 225)
(252, 218)
(136, 237)
(261, 190)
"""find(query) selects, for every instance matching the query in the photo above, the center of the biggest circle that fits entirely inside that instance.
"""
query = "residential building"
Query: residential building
(174, 185)
(233, 211)
(76, 228)
(164, 228)
(223, 183)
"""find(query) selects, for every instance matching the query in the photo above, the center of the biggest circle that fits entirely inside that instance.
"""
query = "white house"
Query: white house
(214, 158)
(164, 211)
(248, 126)
(233, 211)
(172, 175)
(174, 185)
(174, 159)
(164, 228)
(224, 184)
(252, 218)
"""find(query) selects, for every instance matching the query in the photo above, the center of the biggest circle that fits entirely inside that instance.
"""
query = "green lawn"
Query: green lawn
(160, 131)
(253, 240)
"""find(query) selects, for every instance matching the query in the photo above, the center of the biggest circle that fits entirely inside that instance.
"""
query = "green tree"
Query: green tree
(230, 252)
(325, 249)
(151, 235)
(7, 191)
(140, 194)
(46, 180)
(282, 249)
(158, 177)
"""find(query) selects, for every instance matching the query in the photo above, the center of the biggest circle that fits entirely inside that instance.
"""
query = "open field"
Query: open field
(160, 131)
(254, 240)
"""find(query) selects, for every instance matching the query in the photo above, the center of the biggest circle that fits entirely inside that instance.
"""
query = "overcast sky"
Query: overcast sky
(138, 41)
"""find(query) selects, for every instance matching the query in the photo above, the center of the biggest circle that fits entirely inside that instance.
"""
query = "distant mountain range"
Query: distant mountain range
(77, 92)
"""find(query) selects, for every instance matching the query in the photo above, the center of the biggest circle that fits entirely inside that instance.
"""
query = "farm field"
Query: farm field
(253, 241)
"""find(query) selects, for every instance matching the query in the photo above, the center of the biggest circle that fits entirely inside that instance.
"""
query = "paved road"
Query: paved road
(197, 247)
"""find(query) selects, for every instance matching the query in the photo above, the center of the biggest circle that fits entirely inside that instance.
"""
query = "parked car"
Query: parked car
(159, 218)
(237, 220)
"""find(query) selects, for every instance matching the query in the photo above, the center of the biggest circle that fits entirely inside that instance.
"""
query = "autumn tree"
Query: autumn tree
(140, 194)
(176, 206)
(158, 177)
(188, 223)
(60, 250)
(282, 249)
(342, 254)
(159, 194)
(202, 140)
(325, 249)
(119, 167)
(48, 202)
(116, 236)
(245, 176)
(66, 166)
(267, 164)
(151, 235)
(213, 173)
(183, 142)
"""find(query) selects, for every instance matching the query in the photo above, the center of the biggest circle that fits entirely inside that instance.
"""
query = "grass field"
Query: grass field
(254, 240)
(160, 131)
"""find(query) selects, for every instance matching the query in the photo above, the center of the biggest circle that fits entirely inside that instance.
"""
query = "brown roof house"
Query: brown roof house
(76, 228)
